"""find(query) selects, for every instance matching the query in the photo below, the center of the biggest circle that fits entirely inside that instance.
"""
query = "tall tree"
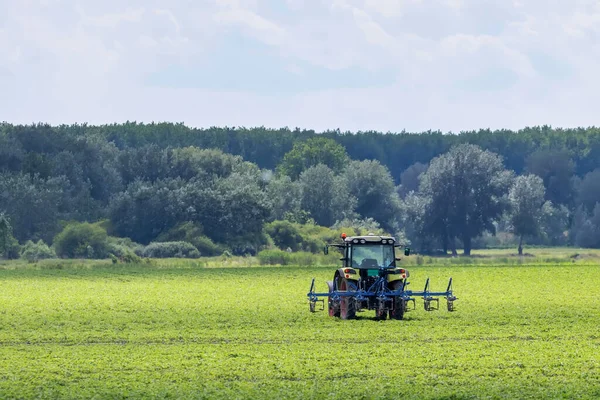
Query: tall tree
(588, 193)
(373, 186)
(326, 196)
(556, 168)
(5, 234)
(309, 153)
(467, 187)
(526, 198)
(409, 179)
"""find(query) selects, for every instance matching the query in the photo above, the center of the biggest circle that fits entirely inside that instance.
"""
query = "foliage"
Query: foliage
(410, 178)
(34, 204)
(588, 193)
(556, 168)
(467, 187)
(33, 252)
(285, 196)
(555, 223)
(82, 240)
(585, 231)
(372, 185)
(326, 196)
(300, 258)
(310, 153)
(149, 178)
(526, 197)
(9, 246)
(192, 233)
(170, 250)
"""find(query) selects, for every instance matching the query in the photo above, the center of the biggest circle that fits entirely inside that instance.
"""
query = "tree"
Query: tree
(309, 153)
(556, 168)
(284, 195)
(588, 193)
(325, 196)
(555, 221)
(373, 186)
(467, 187)
(35, 205)
(585, 230)
(409, 179)
(8, 244)
(526, 198)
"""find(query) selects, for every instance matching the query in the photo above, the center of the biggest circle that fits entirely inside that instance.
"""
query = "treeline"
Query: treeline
(222, 189)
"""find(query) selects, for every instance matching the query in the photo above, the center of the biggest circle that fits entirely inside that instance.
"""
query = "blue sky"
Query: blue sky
(387, 65)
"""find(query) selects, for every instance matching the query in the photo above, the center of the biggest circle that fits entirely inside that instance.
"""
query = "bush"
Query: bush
(192, 233)
(284, 234)
(124, 247)
(250, 244)
(33, 252)
(312, 238)
(82, 240)
(280, 257)
(171, 250)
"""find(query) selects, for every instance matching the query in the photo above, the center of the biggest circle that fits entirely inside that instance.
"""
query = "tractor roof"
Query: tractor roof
(369, 238)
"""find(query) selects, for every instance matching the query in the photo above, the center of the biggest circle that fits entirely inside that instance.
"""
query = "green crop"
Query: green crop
(147, 331)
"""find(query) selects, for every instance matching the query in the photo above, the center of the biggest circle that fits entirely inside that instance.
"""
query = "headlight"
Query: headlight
(384, 241)
(363, 241)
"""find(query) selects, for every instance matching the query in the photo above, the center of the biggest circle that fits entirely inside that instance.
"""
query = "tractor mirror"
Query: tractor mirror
(407, 251)
(326, 250)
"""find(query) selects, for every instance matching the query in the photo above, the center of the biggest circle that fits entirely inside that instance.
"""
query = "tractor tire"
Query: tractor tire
(381, 314)
(399, 303)
(347, 304)
(334, 306)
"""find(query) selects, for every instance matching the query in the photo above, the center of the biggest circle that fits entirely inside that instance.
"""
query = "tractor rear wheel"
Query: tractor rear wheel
(399, 304)
(334, 306)
(347, 304)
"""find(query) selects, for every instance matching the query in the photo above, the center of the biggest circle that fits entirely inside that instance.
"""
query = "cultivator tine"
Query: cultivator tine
(450, 298)
(428, 299)
(313, 298)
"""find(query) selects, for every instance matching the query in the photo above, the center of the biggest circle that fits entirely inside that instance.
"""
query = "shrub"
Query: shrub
(280, 257)
(124, 247)
(171, 250)
(206, 246)
(82, 240)
(192, 233)
(284, 234)
(33, 252)
(250, 243)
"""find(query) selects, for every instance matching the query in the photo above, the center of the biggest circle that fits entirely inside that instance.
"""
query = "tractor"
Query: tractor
(369, 279)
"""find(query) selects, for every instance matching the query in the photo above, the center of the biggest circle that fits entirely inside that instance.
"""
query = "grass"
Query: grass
(177, 329)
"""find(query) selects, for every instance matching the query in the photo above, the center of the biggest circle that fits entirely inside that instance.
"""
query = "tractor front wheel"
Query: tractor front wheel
(347, 303)
(334, 306)
(399, 303)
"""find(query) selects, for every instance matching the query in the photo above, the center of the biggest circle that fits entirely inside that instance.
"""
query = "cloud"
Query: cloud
(352, 64)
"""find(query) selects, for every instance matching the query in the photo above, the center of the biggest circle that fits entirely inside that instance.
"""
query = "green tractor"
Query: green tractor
(370, 279)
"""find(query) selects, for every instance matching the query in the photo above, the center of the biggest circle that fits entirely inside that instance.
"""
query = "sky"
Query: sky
(385, 65)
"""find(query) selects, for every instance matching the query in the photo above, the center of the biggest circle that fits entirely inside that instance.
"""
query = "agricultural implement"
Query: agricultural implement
(370, 280)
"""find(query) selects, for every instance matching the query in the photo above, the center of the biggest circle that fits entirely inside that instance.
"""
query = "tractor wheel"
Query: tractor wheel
(347, 304)
(399, 304)
(381, 314)
(334, 306)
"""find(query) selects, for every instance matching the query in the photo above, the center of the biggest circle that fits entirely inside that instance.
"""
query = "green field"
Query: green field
(183, 330)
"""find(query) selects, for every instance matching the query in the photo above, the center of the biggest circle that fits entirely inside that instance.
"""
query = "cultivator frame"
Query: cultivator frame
(356, 289)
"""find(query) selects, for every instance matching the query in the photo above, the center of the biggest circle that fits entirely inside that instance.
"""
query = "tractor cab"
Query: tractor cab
(368, 253)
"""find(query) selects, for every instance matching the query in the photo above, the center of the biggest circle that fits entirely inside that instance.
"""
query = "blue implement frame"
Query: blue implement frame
(379, 291)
